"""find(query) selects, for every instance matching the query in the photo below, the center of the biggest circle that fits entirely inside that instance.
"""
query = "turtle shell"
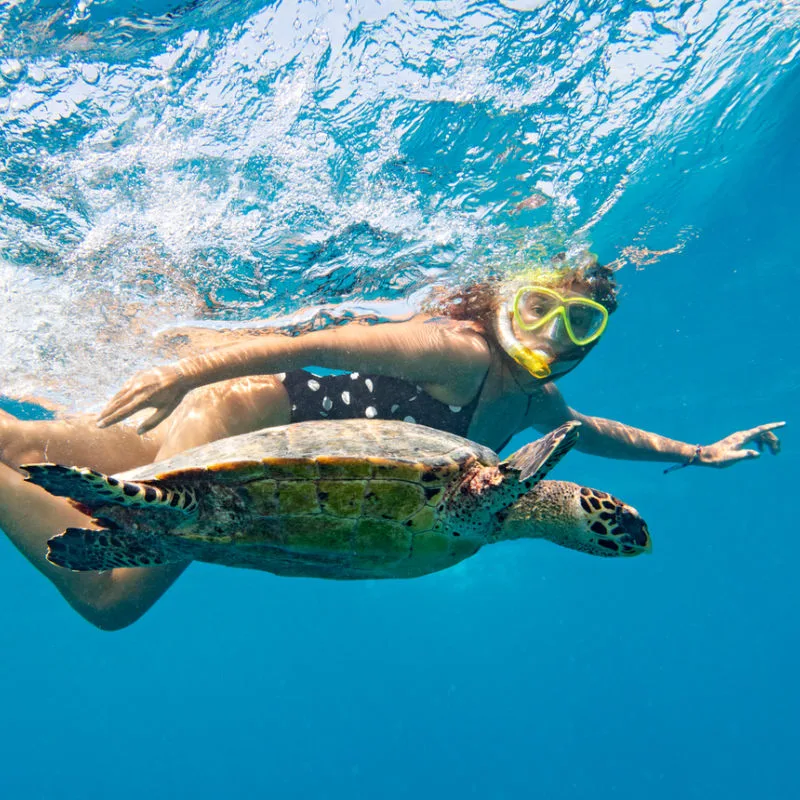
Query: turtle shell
(334, 499)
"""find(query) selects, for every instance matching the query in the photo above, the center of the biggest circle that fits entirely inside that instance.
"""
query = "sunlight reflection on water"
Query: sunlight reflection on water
(225, 161)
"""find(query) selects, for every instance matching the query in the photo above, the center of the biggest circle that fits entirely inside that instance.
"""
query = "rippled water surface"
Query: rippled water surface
(165, 161)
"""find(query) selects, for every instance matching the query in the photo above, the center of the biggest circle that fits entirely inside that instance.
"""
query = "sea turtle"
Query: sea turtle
(335, 499)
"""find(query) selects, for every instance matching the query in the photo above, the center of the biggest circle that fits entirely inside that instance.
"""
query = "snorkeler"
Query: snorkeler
(480, 363)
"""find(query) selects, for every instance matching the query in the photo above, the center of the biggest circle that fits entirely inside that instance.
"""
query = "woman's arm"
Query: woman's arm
(610, 439)
(422, 352)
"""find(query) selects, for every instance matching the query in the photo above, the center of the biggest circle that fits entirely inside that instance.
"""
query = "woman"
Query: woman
(481, 364)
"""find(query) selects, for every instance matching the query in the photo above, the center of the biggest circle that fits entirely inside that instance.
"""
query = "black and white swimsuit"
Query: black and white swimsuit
(356, 395)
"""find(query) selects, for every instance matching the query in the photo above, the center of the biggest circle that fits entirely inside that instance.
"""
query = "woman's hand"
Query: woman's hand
(734, 448)
(161, 388)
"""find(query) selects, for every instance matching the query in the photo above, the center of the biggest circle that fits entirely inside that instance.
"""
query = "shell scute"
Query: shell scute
(380, 541)
(310, 534)
(395, 500)
(384, 469)
(423, 520)
(263, 497)
(344, 468)
(187, 474)
(298, 497)
(341, 498)
(228, 472)
(288, 468)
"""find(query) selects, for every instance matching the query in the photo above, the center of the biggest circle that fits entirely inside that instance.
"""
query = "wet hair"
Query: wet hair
(595, 280)
(475, 303)
(478, 302)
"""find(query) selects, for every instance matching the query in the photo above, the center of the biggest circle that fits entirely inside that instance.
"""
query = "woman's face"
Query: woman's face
(552, 340)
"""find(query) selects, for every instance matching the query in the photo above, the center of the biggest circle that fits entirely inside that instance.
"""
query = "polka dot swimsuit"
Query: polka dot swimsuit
(372, 397)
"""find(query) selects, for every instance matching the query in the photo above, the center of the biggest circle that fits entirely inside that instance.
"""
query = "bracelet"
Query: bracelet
(688, 463)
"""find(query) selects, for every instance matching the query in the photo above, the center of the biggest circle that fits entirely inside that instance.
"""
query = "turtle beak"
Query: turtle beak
(648, 545)
(635, 535)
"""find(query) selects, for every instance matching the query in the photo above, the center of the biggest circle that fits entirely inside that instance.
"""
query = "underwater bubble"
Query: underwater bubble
(11, 70)
(81, 13)
(90, 73)
(37, 75)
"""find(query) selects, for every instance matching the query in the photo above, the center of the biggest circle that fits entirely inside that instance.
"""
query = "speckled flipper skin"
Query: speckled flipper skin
(86, 550)
(535, 460)
(91, 490)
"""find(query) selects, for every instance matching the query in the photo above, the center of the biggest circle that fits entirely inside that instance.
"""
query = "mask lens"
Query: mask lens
(534, 307)
(585, 320)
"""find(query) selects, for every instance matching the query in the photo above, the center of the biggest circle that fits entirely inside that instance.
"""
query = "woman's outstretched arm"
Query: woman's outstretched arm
(452, 358)
(611, 439)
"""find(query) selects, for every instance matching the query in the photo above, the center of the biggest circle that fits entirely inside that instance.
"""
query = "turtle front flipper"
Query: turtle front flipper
(535, 460)
(86, 550)
(90, 490)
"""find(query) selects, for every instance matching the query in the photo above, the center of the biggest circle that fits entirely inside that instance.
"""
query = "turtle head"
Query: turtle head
(579, 518)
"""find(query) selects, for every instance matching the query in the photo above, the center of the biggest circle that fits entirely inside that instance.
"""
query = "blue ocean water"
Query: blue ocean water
(218, 162)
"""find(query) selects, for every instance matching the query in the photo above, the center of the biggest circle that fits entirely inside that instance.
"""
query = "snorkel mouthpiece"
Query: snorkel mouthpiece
(536, 364)
(532, 360)
(535, 361)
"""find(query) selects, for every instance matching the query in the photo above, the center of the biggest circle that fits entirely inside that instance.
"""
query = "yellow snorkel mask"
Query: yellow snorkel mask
(536, 307)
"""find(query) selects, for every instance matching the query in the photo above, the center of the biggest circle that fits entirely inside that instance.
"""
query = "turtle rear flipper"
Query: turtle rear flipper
(86, 550)
(535, 460)
(92, 490)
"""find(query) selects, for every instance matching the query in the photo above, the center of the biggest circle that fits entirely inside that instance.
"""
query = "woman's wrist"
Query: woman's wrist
(189, 372)
(693, 457)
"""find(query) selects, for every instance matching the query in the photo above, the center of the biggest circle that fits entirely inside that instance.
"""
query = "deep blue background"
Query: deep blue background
(530, 671)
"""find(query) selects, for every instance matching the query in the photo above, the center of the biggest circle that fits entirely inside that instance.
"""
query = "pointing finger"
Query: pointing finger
(118, 401)
(770, 426)
(119, 414)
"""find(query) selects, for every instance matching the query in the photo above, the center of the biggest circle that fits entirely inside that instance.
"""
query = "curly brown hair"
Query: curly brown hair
(478, 302)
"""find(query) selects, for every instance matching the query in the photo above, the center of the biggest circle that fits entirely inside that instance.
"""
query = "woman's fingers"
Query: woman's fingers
(743, 445)
(112, 413)
(763, 436)
(155, 419)
(122, 405)
(107, 419)
(155, 388)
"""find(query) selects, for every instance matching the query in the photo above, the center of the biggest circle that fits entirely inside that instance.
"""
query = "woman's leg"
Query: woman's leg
(30, 516)
(75, 440)
(225, 409)
(109, 600)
